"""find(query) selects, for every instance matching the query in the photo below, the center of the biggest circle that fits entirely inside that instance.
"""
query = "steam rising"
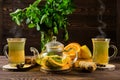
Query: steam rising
(102, 25)
(16, 31)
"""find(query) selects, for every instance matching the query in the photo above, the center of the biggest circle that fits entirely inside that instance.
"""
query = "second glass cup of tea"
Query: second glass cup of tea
(16, 52)
(101, 50)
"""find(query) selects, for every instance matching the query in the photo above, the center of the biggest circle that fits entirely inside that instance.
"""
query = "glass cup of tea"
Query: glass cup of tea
(101, 50)
(16, 52)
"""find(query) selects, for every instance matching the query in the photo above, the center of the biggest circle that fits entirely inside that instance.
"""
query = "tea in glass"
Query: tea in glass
(16, 52)
(101, 50)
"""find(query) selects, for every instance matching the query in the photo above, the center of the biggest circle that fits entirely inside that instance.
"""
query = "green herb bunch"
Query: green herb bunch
(47, 19)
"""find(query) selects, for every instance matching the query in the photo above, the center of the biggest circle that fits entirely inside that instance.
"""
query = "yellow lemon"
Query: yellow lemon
(85, 52)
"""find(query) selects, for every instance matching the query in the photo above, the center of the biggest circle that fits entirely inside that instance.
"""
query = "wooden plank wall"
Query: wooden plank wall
(83, 23)
(118, 26)
(0, 24)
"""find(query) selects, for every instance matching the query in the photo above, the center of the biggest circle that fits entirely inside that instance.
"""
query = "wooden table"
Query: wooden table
(36, 74)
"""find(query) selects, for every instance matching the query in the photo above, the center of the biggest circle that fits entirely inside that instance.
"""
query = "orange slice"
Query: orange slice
(73, 48)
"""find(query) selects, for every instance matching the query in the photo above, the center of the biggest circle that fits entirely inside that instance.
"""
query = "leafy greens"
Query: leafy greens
(48, 19)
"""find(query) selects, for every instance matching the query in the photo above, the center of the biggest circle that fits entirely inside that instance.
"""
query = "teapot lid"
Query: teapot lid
(54, 45)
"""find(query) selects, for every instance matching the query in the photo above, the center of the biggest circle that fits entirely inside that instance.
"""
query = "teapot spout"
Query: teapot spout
(34, 51)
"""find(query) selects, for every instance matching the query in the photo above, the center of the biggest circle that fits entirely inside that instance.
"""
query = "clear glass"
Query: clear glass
(16, 52)
(54, 46)
(53, 57)
(101, 50)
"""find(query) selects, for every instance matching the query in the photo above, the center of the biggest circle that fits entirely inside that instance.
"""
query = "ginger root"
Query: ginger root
(87, 66)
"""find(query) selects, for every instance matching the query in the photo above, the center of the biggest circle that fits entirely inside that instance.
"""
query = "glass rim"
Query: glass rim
(16, 39)
(101, 39)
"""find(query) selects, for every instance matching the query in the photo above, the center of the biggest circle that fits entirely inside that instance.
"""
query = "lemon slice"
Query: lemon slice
(43, 62)
(67, 60)
(54, 62)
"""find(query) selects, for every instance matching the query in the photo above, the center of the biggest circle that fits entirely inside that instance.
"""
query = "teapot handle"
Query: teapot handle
(35, 51)
(76, 55)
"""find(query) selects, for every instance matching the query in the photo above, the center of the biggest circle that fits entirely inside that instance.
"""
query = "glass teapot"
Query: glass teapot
(53, 56)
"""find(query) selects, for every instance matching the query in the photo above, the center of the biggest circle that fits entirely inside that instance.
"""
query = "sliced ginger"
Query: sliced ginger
(77, 62)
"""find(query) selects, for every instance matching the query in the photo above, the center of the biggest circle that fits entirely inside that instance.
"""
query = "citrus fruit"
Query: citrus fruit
(55, 62)
(85, 52)
(65, 67)
(43, 62)
(71, 49)
(51, 62)
(67, 61)
(38, 59)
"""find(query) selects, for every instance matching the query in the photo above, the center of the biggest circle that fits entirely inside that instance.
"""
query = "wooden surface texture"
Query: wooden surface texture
(35, 73)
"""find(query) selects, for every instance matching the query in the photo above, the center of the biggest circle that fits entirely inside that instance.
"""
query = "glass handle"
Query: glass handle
(115, 51)
(5, 50)
(35, 51)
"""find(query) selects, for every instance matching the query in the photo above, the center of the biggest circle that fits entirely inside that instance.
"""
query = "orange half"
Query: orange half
(74, 47)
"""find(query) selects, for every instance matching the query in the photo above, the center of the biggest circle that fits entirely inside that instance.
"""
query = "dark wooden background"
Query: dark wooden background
(83, 23)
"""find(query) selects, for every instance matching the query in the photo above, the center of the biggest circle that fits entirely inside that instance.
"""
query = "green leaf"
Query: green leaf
(55, 30)
(49, 1)
(66, 37)
(38, 27)
(31, 25)
(42, 40)
(17, 21)
(17, 16)
(43, 18)
(48, 22)
(16, 12)
(36, 3)
(28, 21)
(48, 18)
